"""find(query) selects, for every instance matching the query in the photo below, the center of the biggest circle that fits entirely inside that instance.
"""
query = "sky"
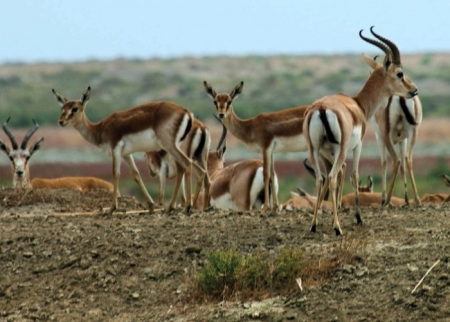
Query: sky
(64, 30)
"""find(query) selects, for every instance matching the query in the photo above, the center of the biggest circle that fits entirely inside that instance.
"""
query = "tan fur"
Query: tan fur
(306, 202)
(260, 132)
(349, 113)
(83, 184)
(120, 135)
(368, 199)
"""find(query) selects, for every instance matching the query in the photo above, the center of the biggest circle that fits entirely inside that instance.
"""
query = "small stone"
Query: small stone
(135, 296)
(27, 254)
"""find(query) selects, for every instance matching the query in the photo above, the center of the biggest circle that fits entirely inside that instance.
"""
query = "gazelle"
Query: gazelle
(337, 123)
(20, 156)
(398, 124)
(266, 133)
(238, 186)
(368, 199)
(147, 127)
(196, 146)
(303, 200)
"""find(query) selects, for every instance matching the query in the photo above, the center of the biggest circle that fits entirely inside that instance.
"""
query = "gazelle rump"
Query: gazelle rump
(147, 127)
(337, 123)
(20, 156)
(266, 133)
(196, 146)
(398, 124)
(238, 186)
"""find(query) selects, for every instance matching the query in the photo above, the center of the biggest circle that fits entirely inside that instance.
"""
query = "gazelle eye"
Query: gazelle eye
(229, 103)
(400, 75)
(75, 109)
(215, 103)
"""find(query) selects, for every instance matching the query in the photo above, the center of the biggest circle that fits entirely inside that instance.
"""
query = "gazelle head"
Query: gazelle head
(216, 159)
(223, 101)
(390, 73)
(72, 111)
(19, 156)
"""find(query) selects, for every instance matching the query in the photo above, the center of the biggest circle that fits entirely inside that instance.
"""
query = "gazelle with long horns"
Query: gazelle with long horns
(20, 156)
(148, 127)
(337, 123)
(266, 133)
(398, 124)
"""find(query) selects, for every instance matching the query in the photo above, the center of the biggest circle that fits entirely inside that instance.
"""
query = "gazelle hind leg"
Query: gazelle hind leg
(314, 159)
(137, 177)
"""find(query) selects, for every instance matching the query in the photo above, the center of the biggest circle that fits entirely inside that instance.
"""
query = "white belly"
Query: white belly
(140, 142)
(223, 202)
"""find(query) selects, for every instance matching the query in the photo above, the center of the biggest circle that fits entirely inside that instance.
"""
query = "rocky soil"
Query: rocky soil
(62, 260)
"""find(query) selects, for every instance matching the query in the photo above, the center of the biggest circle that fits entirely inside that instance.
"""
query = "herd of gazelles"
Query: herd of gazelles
(176, 144)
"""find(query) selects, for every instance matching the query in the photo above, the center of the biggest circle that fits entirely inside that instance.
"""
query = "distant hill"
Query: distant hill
(271, 83)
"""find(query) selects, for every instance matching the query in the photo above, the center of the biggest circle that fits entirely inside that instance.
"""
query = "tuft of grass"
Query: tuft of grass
(229, 275)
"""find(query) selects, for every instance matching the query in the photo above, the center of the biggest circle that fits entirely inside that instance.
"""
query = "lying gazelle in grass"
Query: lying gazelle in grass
(437, 198)
(238, 186)
(337, 123)
(266, 133)
(303, 200)
(196, 146)
(20, 156)
(147, 127)
(398, 124)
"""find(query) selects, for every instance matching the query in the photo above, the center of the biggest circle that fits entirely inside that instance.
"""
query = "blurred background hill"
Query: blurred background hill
(272, 83)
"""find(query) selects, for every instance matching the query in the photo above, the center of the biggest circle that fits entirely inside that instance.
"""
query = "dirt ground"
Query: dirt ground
(139, 267)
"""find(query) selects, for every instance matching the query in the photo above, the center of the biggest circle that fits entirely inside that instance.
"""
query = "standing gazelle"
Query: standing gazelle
(196, 146)
(266, 133)
(147, 127)
(336, 123)
(398, 124)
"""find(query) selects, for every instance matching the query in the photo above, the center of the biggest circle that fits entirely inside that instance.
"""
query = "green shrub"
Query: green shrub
(218, 276)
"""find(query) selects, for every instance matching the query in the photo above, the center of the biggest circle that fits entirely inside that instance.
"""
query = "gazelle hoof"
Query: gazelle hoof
(313, 228)
(338, 231)
(187, 211)
(358, 219)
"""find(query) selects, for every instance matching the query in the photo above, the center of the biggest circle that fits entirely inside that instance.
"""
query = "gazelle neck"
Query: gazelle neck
(237, 126)
(88, 130)
(373, 95)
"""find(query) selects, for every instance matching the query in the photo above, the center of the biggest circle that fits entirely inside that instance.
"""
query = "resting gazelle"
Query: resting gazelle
(337, 123)
(238, 186)
(20, 157)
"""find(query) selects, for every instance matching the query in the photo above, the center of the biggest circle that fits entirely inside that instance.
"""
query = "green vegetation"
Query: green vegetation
(271, 83)
(228, 274)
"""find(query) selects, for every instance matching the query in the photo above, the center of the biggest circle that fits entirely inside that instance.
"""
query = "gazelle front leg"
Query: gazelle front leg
(137, 177)
(266, 170)
(272, 185)
(355, 176)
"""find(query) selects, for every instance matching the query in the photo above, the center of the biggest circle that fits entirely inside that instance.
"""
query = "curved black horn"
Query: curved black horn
(223, 136)
(11, 137)
(29, 134)
(394, 49)
(376, 43)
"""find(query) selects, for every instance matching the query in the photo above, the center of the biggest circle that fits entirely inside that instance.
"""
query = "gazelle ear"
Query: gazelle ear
(36, 146)
(294, 194)
(61, 99)
(237, 90)
(370, 61)
(86, 95)
(209, 90)
(4, 148)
